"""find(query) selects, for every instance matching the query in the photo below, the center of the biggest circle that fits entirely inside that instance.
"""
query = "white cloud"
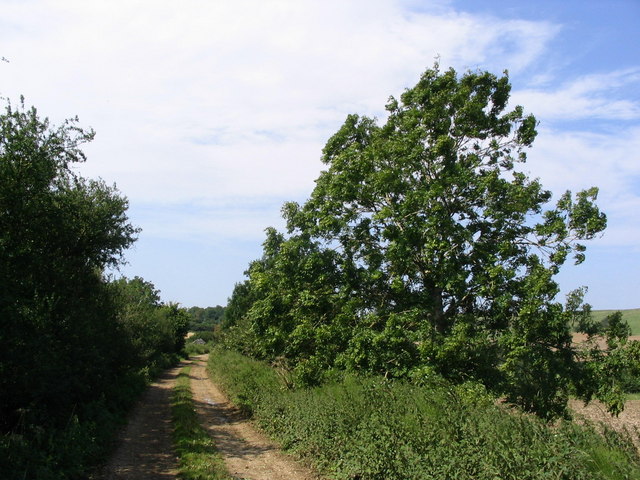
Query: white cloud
(198, 103)
(590, 96)
(210, 114)
(580, 160)
(205, 101)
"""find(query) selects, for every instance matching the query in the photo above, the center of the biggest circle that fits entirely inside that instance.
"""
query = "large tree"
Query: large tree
(443, 252)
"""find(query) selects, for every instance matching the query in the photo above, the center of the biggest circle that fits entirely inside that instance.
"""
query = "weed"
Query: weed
(370, 428)
(199, 459)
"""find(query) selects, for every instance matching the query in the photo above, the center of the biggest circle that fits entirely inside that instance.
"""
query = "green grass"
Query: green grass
(198, 457)
(632, 317)
(191, 348)
(372, 429)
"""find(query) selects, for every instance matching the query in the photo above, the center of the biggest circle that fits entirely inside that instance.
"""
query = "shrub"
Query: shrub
(372, 428)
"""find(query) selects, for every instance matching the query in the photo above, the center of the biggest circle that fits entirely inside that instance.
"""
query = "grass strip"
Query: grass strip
(198, 457)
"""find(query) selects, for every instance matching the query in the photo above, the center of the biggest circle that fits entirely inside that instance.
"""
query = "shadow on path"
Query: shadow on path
(247, 452)
(145, 449)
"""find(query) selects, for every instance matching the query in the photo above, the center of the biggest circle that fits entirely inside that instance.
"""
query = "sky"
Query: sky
(209, 115)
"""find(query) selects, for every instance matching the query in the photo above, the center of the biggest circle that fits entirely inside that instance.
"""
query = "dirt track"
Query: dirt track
(248, 454)
(146, 449)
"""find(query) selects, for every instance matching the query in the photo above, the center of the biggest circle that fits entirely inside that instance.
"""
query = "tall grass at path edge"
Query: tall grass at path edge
(368, 428)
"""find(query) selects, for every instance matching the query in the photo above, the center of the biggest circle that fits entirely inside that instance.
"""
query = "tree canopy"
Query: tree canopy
(423, 249)
(73, 343)
(203, 319)
(58, 231)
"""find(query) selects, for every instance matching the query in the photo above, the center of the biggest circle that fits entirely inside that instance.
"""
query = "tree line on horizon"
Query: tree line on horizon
(205, 319)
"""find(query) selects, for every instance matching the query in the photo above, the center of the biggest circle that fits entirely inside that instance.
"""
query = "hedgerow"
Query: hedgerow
(371, 428)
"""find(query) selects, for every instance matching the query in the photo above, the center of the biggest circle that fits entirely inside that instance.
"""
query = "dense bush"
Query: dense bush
(205, 336)
(371, 428)
(155, 330)
(75, 348)
(200, 342)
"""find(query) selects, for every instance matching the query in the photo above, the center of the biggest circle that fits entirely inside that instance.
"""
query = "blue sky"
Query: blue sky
(210, 115)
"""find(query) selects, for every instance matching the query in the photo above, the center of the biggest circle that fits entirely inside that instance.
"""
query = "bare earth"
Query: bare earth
(596, 412)
(248, 453)
(146, 447)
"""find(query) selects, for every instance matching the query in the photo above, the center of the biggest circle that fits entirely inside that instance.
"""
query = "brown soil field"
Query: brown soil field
(582, 337)
(596, 413)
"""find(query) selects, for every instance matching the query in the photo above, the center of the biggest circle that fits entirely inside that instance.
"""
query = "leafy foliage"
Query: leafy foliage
(423, 247)
(57, 232)
(200, 342)
(154, 329)
(370, 428)
(203, 319)
(71, 353)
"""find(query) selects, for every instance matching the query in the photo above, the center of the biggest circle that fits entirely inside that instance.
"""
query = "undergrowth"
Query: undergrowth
(370, 429)
(78, 447)
(198, 457)
(192, 348)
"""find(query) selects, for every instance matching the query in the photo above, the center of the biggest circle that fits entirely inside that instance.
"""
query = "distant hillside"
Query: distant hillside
(632, 317)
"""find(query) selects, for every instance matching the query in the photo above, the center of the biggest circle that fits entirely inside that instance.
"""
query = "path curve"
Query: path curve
(248, 454)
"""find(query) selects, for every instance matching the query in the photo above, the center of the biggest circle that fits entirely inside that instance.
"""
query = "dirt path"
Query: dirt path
(146, 447)
(248, 454)
(146, 451)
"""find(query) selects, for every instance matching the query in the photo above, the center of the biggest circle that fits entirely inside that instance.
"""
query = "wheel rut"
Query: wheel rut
(247, 452)
(146, 452)
(145, 446)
